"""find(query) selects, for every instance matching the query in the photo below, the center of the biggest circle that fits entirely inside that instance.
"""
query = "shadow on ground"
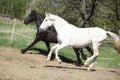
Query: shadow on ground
(45, 53)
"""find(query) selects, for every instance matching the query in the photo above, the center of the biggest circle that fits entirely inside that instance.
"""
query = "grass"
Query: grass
(108, 56)
(112, 57)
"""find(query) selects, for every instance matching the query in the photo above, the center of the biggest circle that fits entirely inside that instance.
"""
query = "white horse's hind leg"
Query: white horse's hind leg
(94, 57)
(50, 53)
(90, 66)
(56, 51)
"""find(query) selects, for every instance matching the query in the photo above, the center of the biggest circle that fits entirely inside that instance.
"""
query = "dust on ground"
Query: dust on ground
(16, 66)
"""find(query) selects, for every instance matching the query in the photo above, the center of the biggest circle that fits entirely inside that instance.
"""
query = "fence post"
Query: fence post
(13, 31)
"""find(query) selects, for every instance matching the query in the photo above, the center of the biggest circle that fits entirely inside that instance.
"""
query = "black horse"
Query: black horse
(49, 36)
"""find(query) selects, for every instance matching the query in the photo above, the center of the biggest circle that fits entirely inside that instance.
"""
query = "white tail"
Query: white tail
(116, 40)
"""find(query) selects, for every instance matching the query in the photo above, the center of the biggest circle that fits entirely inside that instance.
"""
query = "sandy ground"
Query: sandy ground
(16, 66)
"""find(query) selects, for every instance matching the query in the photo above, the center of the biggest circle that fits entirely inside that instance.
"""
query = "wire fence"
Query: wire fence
(12, 32)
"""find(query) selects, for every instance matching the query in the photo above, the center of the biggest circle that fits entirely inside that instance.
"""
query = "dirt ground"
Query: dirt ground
(16, 66)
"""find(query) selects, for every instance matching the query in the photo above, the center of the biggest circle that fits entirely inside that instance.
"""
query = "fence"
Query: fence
(12, 32)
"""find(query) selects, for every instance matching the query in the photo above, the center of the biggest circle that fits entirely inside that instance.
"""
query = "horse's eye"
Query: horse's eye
(46, 20)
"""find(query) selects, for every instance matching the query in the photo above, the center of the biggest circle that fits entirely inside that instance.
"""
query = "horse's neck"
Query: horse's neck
(38, 20)
(60, 26)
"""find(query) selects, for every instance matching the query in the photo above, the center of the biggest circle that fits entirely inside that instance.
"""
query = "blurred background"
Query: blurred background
(82, 13)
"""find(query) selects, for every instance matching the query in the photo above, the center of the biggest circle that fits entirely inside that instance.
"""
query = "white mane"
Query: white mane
(56, 17)
(60, 20)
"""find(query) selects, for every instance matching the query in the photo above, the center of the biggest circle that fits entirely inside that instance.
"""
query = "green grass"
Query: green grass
(113, 58)
(20, 42)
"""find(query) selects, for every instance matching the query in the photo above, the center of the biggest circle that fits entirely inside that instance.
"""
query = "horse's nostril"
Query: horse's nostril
(40, 30)
(25, 22)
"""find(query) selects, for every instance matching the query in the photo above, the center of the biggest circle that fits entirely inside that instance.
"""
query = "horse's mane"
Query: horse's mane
(60, 19)
(41, 16)
(63, 20)
(56, 17)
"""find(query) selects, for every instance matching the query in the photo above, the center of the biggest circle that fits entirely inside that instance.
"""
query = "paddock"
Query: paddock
(33, 66)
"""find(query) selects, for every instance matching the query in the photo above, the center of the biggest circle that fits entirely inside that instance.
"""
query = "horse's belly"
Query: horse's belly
(80, 44)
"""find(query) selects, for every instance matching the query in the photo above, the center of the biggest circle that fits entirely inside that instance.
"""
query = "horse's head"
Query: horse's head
(31, 17)
(47, 22)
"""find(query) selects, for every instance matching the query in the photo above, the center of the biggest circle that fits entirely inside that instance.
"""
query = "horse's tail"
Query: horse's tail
(116, 40)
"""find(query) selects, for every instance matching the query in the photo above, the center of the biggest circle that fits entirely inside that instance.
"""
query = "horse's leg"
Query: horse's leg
(94, 56)
(62, 45)
(90, 50)
(33, 43)
(82, 54)
(48, 46)
(50, 53)
(79, 61)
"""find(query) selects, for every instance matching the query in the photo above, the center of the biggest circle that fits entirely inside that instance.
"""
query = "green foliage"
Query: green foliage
(5, 37)
(106, 11)
(13, 8)
(109, 55)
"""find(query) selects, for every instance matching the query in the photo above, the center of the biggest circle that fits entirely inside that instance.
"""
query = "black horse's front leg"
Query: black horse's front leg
(83, 55)
(32, 44)
(79, 61)
(90, 50)
(48, 46)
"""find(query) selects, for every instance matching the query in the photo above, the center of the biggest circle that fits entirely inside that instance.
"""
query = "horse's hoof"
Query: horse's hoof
(48, 59)
(79, 64)
(60, 62)
(23, 51)
(58, 59)
(89, 69)
(86, 65)
(85, 57)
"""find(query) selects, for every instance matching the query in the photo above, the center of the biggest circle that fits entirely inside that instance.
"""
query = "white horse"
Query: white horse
(70, 35)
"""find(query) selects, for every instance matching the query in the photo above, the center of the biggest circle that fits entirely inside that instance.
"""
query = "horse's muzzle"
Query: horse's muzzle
(41, 30)
(25, 22)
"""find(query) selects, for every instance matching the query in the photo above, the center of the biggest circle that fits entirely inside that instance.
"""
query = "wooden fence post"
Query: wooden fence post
(13, 31)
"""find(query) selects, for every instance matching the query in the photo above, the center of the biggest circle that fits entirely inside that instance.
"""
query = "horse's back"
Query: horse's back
(85, 36)
(97, 34)
(77, 37)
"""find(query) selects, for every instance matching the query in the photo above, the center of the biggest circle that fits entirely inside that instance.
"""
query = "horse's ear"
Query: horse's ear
(50, 17)
(33, 10)
(46, 14)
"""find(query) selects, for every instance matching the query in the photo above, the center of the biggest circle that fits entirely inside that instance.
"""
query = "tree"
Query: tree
(82, 13)
(108, 12)
(13, 8)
